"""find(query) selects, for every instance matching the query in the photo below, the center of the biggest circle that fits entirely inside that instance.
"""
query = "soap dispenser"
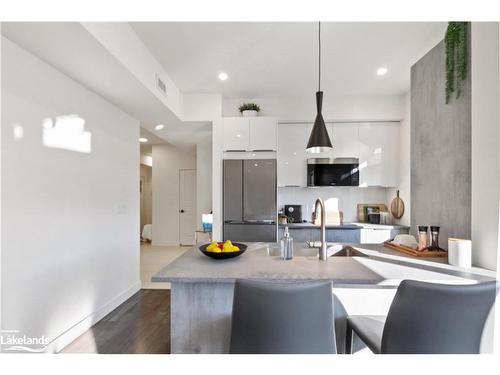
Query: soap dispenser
(286, 246)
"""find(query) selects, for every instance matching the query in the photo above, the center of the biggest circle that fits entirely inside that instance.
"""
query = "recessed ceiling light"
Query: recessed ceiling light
(143, 140)
(381, 71)
(223, 76)
(159, 127)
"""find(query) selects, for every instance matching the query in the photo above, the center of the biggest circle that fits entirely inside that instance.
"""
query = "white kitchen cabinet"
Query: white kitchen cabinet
(250, 134)
(379, 154)
(236, 134)
(369, 235)
(345, 140)
(263, 133)
(292, 156)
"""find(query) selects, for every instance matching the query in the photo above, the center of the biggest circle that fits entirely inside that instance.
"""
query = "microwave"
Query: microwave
(333, 172)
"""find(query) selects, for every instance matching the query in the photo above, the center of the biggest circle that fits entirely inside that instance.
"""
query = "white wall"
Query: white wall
(485, 143)
(70, 220)
(348, 198)
(379, 107)
(203, 179)
(167, 161)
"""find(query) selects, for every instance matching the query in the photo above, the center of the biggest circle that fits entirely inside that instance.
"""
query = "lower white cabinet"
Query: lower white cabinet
(375, 235)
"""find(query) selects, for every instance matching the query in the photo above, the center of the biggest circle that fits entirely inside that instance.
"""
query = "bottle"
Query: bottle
(286, 246)
(422, 237)
(435, 239)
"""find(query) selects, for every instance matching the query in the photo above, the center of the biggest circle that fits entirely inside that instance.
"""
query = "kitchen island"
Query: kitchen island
(202, 288)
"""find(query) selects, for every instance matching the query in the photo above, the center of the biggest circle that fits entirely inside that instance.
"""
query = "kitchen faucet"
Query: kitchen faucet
(322, 249)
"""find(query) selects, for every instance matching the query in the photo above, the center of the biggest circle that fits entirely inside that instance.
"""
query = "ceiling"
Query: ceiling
(280, 59)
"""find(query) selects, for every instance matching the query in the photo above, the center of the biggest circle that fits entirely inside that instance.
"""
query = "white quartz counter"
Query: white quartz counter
(382, 267)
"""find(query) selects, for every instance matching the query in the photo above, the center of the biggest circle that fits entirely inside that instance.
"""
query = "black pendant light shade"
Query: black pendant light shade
(319, 140)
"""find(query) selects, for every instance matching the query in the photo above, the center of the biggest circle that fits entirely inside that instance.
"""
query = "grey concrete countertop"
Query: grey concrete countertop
(382, 267)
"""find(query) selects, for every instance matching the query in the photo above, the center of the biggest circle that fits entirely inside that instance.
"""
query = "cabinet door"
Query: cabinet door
(262, 133)
(379, 154)
(375, 235)
(345, 140)
(236, 134)
(391, 156)
(292, 156)
(372, 146)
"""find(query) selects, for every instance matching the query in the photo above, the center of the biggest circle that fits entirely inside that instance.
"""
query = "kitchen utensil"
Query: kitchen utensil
(397, 206)
(223, 255)
(434, 246)
(422, 237)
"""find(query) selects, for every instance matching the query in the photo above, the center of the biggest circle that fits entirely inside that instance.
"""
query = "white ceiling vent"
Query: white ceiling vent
(161, 85)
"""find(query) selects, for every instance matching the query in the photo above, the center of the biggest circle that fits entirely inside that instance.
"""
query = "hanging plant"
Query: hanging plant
(456, 57)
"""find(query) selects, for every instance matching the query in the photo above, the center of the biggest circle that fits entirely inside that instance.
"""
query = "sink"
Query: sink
(336, 250)
(347, 251)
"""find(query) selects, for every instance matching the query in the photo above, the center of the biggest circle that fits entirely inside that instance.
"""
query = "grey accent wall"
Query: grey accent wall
(440, 150)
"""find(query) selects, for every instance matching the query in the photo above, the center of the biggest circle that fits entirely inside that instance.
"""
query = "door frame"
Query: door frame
(179, 208)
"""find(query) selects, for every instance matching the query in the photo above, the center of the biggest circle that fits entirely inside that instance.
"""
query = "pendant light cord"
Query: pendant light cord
(319, 56)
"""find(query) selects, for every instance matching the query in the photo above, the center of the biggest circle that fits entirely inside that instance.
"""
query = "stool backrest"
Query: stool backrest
(428, 318)
(286, 318)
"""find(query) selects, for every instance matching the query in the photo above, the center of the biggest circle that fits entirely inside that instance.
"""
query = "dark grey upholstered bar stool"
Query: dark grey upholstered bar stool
(282, 318)
(428, 318)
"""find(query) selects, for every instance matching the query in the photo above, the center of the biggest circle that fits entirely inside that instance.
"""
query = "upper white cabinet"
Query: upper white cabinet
(292, 156)
(236, 134)
(345, 140)
(250, 134)
(376, 145)
(379, 154)
(263, 134)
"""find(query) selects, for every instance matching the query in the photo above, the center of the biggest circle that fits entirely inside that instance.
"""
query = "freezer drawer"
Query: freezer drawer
(250, 232)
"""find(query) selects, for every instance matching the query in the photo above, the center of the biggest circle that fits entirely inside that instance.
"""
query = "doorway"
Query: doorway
(187, 206)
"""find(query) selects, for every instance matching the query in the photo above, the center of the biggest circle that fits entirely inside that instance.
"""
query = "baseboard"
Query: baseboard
(72, 333)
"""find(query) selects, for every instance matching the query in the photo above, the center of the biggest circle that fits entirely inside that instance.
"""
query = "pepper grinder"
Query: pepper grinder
(435, 239)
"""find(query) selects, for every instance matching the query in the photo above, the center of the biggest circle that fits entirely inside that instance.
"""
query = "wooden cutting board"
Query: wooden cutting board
(397, 207)
(410, 251)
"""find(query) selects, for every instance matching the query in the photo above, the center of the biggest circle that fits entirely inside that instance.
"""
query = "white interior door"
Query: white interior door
(187, 206)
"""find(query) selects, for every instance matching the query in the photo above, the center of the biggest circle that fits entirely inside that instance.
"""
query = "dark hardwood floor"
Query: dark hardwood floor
(140, 325)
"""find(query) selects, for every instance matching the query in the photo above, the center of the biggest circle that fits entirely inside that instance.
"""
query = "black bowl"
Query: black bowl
(222, 255)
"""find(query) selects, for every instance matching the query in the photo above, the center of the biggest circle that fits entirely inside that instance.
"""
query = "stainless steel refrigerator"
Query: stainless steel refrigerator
(249, 201)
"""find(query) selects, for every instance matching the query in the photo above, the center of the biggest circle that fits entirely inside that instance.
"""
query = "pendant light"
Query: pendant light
(319, 140)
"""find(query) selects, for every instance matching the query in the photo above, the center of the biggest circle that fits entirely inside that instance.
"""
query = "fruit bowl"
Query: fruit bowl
(222, 254)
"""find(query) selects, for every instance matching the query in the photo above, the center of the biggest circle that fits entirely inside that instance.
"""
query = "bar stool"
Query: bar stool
(282, 318)
(428, 318)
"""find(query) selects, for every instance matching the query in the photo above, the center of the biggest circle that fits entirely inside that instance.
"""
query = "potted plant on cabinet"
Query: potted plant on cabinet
(284, 218)
(249, 109)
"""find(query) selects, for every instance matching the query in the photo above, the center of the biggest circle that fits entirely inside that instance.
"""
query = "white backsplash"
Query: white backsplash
(347, 198)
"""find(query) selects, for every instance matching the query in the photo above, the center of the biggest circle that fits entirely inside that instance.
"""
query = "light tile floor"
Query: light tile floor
(153, 259)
